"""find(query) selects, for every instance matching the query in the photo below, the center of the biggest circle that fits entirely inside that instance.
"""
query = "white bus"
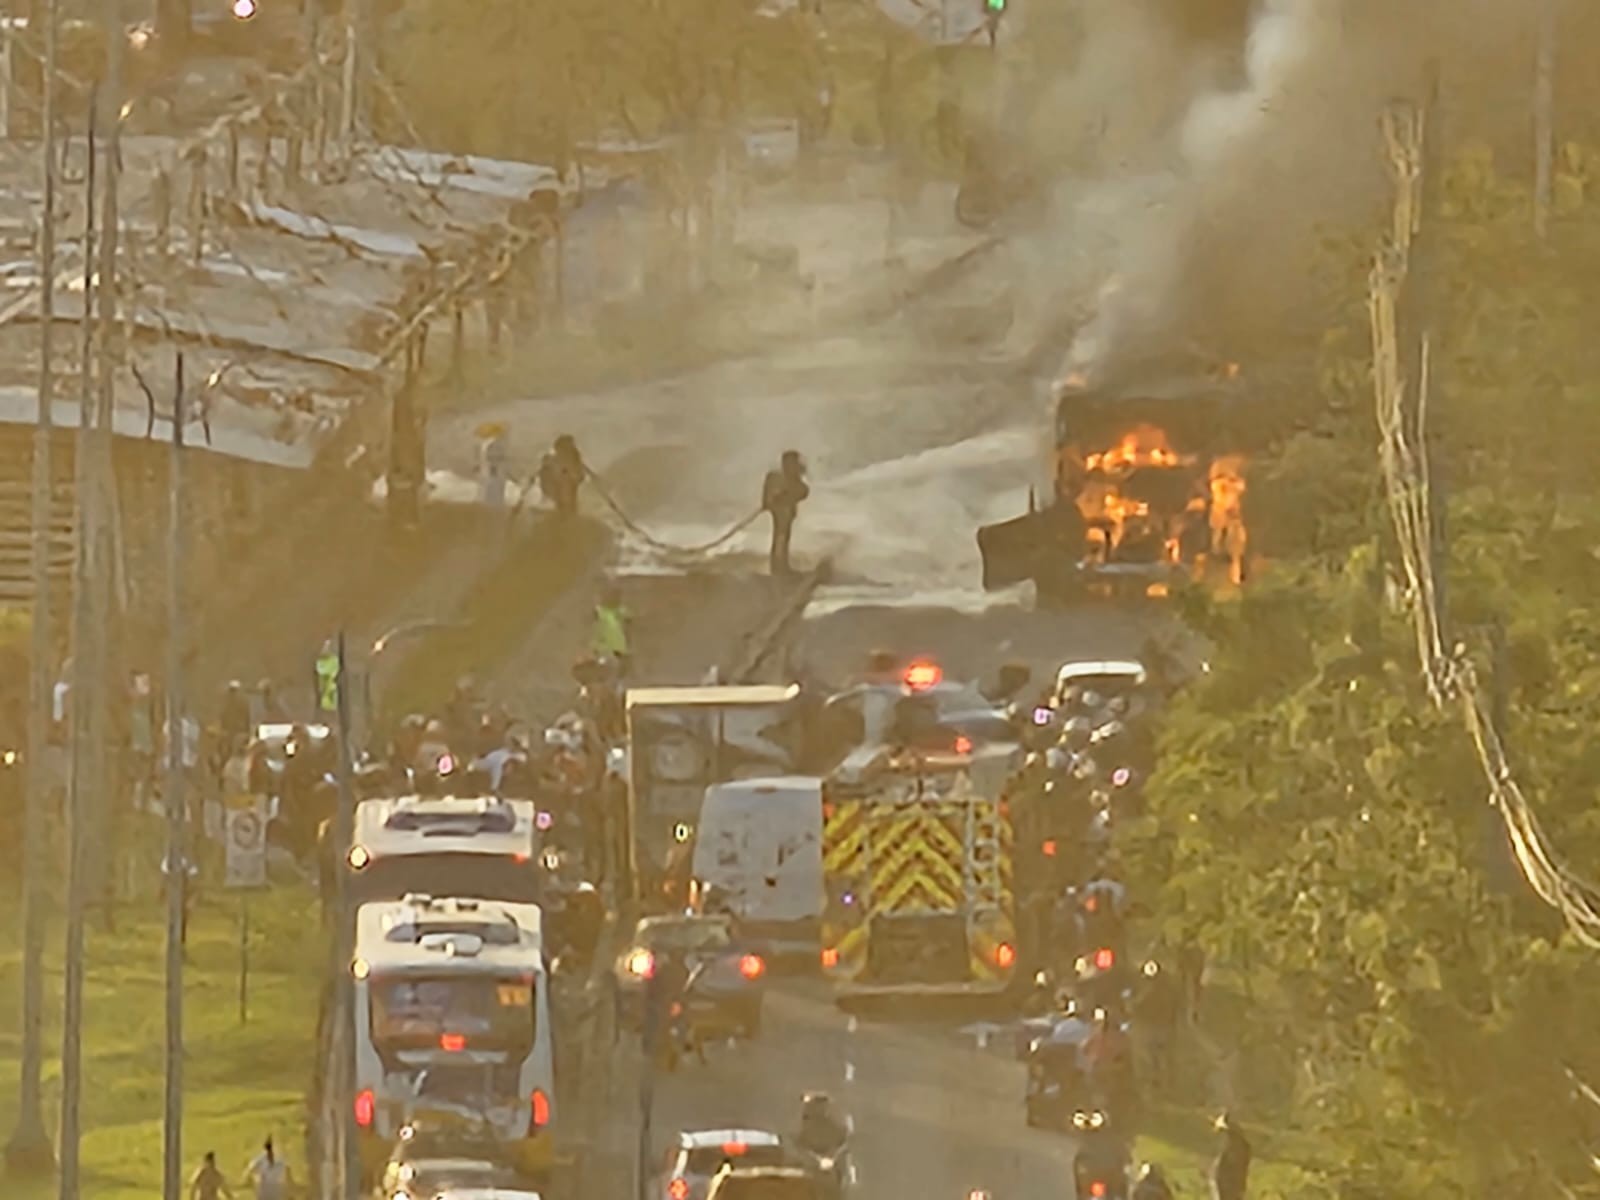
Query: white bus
(445, 846)
(452, 1013)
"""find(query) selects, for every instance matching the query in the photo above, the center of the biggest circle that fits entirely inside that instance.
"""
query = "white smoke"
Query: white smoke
(1226, 246)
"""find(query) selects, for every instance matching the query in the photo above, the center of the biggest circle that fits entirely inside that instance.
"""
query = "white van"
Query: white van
(759, 844)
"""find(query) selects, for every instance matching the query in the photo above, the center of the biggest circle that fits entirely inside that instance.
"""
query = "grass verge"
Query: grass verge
(242, 1080)
(541, 564)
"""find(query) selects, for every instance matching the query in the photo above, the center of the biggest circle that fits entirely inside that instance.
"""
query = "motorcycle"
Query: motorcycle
(1056, 1085)
(1100, 1167)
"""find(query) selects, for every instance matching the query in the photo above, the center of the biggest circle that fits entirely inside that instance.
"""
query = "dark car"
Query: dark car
(764, 1183)
(730, 979)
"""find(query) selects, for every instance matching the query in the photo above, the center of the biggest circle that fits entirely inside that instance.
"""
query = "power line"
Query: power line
(1448, 670)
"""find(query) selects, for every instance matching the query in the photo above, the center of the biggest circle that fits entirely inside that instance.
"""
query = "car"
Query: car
(731, 979)
(442, 1155)
(697, 1155)
(764, 1183)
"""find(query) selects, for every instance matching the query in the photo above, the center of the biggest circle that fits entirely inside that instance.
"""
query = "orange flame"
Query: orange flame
(1230, 538)
(1143, 446)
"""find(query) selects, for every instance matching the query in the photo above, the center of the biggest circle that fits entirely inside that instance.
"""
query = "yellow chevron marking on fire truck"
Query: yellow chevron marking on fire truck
(843, 837)
(852, 948)
(918, 891)
(919, 851)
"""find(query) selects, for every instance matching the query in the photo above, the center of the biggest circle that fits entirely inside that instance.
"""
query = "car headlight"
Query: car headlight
(825, 1164)
(641, 964)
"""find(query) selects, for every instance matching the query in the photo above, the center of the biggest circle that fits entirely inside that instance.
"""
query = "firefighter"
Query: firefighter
(781, 495)
(561, 473)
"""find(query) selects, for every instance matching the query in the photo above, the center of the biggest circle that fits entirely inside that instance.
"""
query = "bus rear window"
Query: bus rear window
(460, 1012)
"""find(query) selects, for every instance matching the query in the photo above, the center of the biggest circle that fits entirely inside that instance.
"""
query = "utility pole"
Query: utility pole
(344, 834)
(29, 1148)
(177, 812)
(106, 783)
(82, 681)
(1544, 136)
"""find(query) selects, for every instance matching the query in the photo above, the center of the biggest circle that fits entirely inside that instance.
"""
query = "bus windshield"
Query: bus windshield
(453, 1012)
(504, 877)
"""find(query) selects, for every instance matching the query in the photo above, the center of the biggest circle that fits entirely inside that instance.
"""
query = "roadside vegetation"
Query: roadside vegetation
(244, 1081)
(1390, 1006)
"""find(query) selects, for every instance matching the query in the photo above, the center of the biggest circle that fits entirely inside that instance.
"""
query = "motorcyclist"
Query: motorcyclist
(1152, 1184)
(407, 742)
(462, 715)
(433, 747)
(1108, 1064)
(585, 917)
(1231, 1172)
(823, 1131)
(1101, 1158)
(1157, 1008)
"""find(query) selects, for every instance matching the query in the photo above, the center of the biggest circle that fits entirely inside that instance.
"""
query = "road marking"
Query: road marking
(849, 1072)
(851, 1174)
(851, 1026)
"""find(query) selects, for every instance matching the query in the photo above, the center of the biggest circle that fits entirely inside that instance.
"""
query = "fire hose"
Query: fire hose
(649, 539)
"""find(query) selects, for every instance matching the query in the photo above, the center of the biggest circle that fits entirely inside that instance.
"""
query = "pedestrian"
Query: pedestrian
(269, 708)
(327, 679)
(142, 725)
(235, 718)
(270, 1174)
(781, 495)
(612, 623)
(493, 451)
(208, 1182)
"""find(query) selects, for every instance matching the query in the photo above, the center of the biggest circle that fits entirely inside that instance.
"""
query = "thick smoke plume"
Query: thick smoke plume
(1210, 213)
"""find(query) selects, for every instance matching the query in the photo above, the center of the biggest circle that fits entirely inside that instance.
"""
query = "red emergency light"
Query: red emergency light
(1104, 959)
(751, 967)
(366, 1108)
(453, 1043)
(920, 676)
(1049, 848)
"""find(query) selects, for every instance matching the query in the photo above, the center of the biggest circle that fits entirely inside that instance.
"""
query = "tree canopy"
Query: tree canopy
(1323, 832)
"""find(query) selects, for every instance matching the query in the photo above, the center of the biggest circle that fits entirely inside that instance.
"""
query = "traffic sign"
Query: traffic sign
(246, 842)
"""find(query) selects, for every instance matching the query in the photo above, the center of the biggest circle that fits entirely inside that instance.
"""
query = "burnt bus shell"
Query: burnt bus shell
(1205, 419)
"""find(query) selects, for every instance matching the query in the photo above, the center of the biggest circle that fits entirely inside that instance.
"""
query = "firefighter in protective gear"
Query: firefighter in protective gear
(611, 622)
(328, 678)
(781, 495)
(561, 473)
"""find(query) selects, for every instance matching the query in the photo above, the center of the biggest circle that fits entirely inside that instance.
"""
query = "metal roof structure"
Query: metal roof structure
(290, 291)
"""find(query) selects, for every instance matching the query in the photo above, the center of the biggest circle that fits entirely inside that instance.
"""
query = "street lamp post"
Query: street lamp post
(405, 631)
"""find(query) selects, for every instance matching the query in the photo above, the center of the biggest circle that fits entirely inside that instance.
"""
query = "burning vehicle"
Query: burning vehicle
(1149, 488)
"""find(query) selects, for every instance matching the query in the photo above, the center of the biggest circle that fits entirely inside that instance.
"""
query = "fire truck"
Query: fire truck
(1148, 490)
(916, 856)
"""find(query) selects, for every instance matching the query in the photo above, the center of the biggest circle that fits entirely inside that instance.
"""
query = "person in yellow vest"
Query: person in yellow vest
(328, 678)
(611, 626)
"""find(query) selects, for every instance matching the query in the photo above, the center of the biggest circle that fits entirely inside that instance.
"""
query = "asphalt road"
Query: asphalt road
(934, 1115)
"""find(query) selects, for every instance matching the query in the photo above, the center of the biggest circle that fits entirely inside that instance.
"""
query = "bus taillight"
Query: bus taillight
(366, 1108)
(539, 1114)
